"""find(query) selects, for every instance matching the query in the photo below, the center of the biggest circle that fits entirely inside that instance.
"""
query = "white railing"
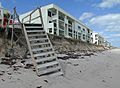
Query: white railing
(33, 17)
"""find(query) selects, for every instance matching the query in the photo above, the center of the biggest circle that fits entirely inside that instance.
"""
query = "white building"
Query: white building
(95, 38)
(60, 23)
(107, 44)
(98, 39)
(4, 15)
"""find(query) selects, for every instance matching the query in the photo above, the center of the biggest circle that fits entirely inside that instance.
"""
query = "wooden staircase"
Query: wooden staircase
(41, 50)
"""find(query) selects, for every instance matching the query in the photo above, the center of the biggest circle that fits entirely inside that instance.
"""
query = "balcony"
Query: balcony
(61, 27)
(61, 18)
(54, 17)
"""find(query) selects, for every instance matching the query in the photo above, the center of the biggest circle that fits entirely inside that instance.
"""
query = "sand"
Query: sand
(101, 70)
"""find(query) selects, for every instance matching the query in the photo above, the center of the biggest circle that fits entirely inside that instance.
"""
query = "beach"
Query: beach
(101, 70)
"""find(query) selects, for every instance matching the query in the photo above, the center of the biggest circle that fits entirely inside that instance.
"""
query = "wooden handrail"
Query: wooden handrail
(30, 15)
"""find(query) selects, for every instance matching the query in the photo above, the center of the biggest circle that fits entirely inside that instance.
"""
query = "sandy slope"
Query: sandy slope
(99, 71)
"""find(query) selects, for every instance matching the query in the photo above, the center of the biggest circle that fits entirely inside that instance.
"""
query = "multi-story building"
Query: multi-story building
(98, 39)
(4, 16)
(95, 38)
(107, 44)
(60, 23)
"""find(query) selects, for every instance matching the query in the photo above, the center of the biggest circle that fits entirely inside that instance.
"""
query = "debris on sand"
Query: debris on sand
(2, 72)
(103, 81)
(76, 64)
(15, 68)
(7, 61)
(88, 54)
(28, 66)
(46, 81)
(39, 87)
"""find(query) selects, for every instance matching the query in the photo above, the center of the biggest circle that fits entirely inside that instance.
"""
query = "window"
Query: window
(70, 30)
(79, 37)
(74, 31)
(79, 27)
(50, 30)
(83, 29)
(49, 14)
(96, 36)
(0, 13)
(70, 34)
(70, 22)
(0, 22)
(88, 30)
(79, 34)
(83, 36)
(55, 25)
(61, 18)
(76, 36)
(55, 31)
(61, 25)
(95, 42)
(53, 14)
(50, 21)
(61, 33)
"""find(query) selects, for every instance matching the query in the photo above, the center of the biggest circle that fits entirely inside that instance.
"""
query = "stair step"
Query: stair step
(47, 64)
(32, 27)
(28, 31)
(37, 44)
(38, 49)
(38, 39)
(33, 35)
(33, 24)
(59, 73)
(50, 70)
(42, 54)
(45, 59)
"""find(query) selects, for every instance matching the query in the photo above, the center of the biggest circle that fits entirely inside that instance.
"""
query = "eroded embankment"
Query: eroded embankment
(62, 44)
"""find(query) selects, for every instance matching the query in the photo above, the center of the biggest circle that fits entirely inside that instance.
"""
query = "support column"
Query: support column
(57, 21)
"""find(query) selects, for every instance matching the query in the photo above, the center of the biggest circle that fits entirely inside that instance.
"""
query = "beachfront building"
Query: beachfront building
(95, 38)
(59, 22)
(98, 39)
(4, 15)
(107, 44)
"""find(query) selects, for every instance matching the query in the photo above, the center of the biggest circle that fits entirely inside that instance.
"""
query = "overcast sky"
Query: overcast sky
(101, 16)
